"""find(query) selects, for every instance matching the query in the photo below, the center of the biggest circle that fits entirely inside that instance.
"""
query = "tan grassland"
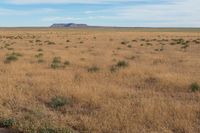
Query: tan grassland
(111, 81)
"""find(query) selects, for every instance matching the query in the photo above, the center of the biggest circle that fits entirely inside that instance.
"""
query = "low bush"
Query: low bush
(41, 61)
(124, 42)
(39, 50)
(122, 64)
(93, 69)
(56, 63)
(129, 46)
(59, 101)
(6, 123)
(38, 41)
(39, 55)
(12, 57)
(66, 63)
(195, 87)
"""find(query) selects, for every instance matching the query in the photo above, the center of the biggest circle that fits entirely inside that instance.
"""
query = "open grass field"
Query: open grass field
(99, 81)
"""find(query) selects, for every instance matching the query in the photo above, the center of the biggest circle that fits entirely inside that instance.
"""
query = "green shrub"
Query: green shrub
(172, 43)
(124, 42)
(39, 50)
(6, 123)
(122, 64)
(113, 69)
(66, 63)
(93, 69)
(10, 48)
(12, 57)
(60, 101)
(38, 41)
(149, 44)
(161, 49)
(56, 63)
(129, 46)
(194, 87)
(185, 46)
(39, 55)
(56, 60)
(41, 61)
(50, 43)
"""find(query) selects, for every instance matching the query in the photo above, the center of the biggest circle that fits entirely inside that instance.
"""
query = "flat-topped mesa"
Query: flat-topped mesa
(68, 25)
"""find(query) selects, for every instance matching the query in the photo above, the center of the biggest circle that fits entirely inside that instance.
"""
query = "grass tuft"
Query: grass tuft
(195, 87)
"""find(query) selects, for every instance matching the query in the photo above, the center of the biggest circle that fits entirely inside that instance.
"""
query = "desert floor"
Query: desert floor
(99, 81)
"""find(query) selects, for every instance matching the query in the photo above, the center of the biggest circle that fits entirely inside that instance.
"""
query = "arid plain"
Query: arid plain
(99, 81)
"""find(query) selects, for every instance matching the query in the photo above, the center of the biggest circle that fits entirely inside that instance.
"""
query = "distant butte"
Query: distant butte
(68, 25)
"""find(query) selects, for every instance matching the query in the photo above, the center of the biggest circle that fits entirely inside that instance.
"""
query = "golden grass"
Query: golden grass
(151, 94)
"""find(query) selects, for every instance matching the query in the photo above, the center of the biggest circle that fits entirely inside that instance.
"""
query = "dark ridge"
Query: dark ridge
(68, 25)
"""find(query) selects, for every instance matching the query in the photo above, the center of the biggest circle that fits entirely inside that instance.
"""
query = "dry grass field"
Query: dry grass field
(99, 81)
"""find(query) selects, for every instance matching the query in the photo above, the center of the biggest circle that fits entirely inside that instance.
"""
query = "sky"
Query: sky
(125, 13)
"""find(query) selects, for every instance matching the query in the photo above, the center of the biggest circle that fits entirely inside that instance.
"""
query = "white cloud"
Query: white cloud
(64, 1)
(60, 19)
(183, 13)
(8, 12)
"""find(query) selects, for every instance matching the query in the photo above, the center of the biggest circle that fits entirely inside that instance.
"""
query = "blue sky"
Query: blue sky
(136, 13)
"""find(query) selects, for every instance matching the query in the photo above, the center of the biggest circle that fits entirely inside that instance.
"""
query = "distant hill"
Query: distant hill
(68, 25)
